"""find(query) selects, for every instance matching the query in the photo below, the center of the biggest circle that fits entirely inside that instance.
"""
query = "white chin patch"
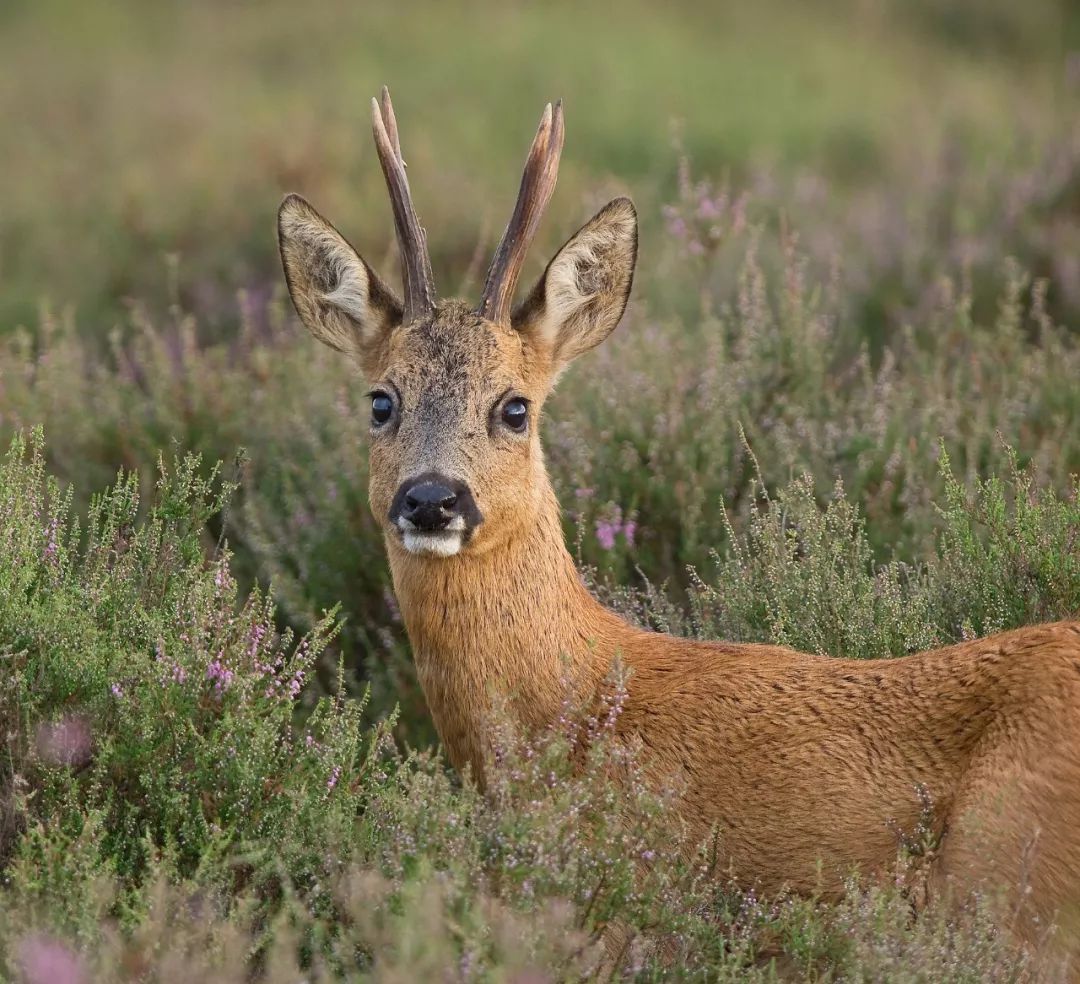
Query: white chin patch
(444, 543)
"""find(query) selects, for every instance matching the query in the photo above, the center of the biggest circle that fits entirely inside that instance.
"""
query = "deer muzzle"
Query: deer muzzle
(434, 514)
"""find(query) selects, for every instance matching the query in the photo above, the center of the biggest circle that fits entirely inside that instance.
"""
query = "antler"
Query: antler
(537, 184)
(416, 277)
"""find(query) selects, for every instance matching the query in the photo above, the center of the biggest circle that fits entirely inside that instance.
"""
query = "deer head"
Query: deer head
(456, 465)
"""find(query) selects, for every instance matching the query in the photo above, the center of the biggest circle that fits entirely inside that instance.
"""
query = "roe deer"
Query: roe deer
(805, 765)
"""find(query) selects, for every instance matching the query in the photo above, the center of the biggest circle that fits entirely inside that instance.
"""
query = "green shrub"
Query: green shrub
(173, 807)
(146, 704)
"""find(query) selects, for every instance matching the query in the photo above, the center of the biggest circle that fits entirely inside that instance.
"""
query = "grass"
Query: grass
(841, 414)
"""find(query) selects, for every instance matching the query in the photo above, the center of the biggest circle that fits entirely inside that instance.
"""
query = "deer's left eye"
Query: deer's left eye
(515, 414)
(381, 408)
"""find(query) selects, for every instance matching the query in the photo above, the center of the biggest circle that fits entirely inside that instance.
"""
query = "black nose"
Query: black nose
(429, 506)
(432, 502)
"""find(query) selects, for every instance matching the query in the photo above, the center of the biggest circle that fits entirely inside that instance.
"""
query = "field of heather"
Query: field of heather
(841, 413)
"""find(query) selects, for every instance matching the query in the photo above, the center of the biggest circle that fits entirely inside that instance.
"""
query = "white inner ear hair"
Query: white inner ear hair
(344, 269)
(330, 260)
(565, 294)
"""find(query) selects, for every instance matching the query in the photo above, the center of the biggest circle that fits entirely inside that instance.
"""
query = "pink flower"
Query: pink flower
(64, 742)
(709, 208)
(605, 534)
(51, 546)
(608, 529)
(220, 674)
(255, 638)
(47, 961)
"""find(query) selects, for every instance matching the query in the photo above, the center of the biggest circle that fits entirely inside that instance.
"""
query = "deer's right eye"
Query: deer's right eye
(382, 406)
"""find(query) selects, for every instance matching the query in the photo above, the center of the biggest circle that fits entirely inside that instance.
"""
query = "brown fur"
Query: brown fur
(807, 767)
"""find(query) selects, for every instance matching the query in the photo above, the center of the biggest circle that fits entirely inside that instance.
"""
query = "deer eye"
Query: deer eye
(515, 414)
(382, 406)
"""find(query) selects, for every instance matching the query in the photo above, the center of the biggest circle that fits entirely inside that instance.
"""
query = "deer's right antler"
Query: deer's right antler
(537, 185)
(417, 281)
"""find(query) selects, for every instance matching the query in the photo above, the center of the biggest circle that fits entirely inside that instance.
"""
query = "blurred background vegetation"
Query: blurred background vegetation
(861, 237)
(132, 132)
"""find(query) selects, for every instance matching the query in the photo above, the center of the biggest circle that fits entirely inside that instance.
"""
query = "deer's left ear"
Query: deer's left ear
(582, 294)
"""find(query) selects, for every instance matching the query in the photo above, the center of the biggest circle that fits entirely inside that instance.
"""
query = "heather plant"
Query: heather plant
(803, 573)
(148, 708)
(190, 139)
(267, 842)
(779, 363)
(804, 576)
(840, 414)
(1009, 552)
(647, 447)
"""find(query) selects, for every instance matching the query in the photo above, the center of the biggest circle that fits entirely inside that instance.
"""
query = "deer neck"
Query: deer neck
(513, 624)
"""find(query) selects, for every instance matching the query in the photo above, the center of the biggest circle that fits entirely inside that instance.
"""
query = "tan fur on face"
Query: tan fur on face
(450, 373)
(807, 768)
(450, 370)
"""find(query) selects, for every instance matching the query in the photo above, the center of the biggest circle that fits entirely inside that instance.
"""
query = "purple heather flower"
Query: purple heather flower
(47, 961)
(605, 533)
(220, 674)
(64, 742)
(608, 529)
(709, 208)
(51, 546)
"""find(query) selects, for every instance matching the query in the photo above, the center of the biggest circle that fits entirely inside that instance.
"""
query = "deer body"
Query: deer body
(808, 768)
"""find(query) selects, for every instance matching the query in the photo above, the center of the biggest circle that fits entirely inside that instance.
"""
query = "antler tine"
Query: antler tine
(418, 283)
(537, 185)
(391, 123)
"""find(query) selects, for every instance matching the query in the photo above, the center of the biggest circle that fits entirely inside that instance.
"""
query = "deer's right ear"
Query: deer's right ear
(338, 296)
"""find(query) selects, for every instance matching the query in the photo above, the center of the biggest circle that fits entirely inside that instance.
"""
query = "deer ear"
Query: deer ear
(582, 294)
(338, 296)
